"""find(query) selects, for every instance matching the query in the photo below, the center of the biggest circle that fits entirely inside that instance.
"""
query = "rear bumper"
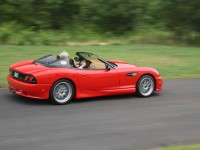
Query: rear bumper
(38, 91)
(159, 83)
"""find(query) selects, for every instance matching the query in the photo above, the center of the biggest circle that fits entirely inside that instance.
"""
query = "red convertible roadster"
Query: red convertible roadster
(61, 80)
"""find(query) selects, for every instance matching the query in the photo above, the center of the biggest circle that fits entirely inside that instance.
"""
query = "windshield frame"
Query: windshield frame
(83, 57)
(100, 59)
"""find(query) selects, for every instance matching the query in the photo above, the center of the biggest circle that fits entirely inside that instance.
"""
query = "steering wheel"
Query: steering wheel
(84, 64)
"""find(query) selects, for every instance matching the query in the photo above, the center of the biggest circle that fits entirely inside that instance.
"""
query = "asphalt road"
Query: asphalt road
(108, 123)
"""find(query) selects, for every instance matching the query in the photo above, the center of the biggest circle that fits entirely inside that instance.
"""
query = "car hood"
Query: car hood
(122, 64)
(28, 67)
(129, 67)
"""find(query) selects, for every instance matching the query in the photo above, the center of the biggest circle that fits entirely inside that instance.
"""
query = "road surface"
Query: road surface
(108, 123)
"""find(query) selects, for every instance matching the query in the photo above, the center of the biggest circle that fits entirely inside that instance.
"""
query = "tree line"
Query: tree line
(113, 16)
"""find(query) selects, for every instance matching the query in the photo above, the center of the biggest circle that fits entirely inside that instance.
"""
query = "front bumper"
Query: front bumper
(159, 83)
(38, 91)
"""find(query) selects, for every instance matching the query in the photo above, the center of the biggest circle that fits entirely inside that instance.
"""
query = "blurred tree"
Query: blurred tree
(114, 16)
(181, 16)
(39, 14)
(61, 12)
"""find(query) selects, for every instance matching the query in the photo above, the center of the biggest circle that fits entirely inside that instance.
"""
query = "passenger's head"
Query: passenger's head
(64, 54)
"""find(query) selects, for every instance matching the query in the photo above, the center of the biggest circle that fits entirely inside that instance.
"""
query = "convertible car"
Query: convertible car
(61, 80)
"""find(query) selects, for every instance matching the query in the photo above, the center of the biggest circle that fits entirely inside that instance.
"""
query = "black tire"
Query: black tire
(62, 92)
(145, 86)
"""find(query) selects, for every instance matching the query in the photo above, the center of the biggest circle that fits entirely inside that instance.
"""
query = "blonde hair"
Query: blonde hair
(64, 54)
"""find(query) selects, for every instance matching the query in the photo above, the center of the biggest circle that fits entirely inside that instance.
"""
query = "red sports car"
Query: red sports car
(61, 80)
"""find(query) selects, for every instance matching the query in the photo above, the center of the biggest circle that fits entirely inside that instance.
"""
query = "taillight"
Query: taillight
(30, 79)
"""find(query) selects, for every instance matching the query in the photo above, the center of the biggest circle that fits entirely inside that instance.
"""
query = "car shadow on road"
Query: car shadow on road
(30, 101)
(104, 98)
(25, 101)
(113, 98)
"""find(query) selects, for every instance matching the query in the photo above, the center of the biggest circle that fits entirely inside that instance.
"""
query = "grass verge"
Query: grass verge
(184, 147)
(171, 61)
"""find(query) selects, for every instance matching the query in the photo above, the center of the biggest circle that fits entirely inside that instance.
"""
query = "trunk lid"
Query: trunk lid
(27, 67)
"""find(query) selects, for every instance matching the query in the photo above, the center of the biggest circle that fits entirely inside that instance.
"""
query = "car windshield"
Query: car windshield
(87, 56)
(94, 58)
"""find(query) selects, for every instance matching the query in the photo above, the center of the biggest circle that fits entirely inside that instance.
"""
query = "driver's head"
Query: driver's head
(76, 58)
(64, 54)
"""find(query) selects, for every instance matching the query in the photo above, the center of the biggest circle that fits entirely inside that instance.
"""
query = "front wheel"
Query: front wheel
(145, 86)
(62, 92)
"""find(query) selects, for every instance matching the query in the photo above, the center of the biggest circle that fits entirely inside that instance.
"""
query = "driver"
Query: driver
(82, 64)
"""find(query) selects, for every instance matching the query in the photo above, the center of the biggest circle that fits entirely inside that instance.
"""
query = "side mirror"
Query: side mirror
(108, 67)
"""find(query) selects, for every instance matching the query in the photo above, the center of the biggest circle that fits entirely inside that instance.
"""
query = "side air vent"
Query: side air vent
(132, 74)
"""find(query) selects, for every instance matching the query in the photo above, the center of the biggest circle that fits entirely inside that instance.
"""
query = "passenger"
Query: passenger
(74, 63)
(63, 55)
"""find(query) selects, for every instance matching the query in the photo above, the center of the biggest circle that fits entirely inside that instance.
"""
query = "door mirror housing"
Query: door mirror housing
(108, 67)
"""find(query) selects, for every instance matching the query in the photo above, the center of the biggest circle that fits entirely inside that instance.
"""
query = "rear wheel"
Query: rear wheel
(145, 86)
(62, 92)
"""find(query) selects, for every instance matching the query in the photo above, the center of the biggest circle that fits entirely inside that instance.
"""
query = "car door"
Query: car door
(98, 80)
(128, 78)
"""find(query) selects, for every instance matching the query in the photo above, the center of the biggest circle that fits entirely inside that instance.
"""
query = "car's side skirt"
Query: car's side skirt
(84, 94)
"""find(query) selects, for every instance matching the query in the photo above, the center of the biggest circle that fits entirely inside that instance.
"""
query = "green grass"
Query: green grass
(184, 147)
(171, 61)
